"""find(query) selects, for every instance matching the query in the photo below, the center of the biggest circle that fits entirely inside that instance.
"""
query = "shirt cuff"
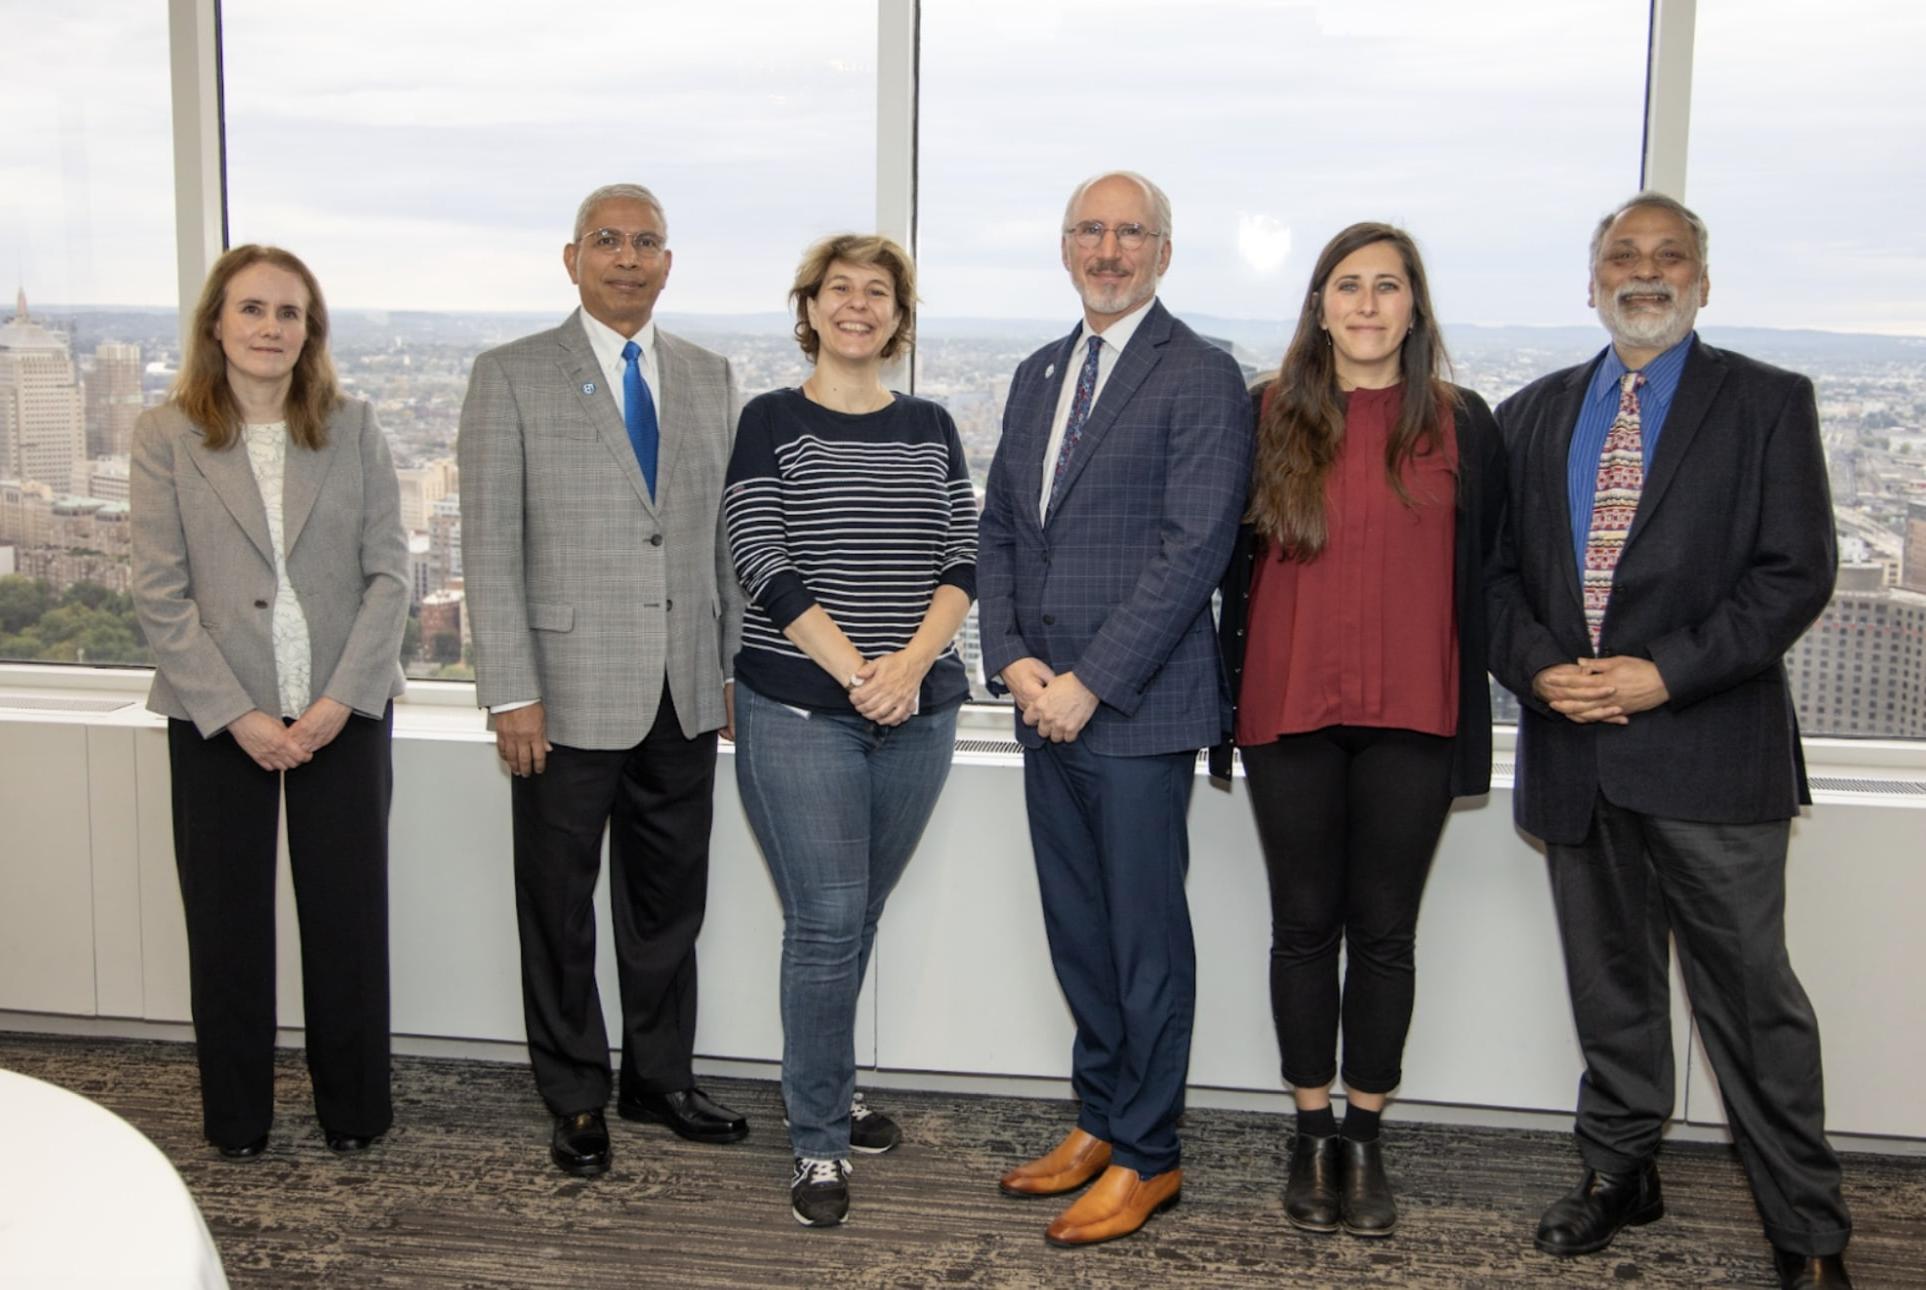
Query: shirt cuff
(500, 708)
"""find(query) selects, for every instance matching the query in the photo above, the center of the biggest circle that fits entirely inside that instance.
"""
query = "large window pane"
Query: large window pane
(1806, 166)
(87, 229)
(1495, 133)
(427, 159)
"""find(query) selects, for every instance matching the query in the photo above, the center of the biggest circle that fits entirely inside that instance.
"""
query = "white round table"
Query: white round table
(86, 1200)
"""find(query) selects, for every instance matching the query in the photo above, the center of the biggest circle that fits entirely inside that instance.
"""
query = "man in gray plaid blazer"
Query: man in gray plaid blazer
(606, 616)
(1109, 517)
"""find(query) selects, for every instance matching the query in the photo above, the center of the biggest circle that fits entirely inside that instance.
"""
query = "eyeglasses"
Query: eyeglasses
(648, 246)
(1129, 236)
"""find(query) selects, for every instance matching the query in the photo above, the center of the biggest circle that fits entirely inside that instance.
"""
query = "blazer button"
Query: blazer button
(260, 604)
(1049, 620)
(668, 604)
(655, 539)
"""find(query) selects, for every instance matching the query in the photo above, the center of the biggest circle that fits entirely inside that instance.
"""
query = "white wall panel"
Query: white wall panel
(46, 874)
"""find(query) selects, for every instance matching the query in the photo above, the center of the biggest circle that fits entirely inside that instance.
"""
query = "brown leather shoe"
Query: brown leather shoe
(1118, 1205)
(1076, 1160)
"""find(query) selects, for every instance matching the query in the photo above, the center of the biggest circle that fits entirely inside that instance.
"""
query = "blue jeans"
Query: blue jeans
(837, 804)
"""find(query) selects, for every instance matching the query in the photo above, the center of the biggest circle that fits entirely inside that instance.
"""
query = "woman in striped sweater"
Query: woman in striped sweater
(853, 527)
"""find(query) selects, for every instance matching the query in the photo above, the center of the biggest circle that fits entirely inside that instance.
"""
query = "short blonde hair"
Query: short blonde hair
(863, 249)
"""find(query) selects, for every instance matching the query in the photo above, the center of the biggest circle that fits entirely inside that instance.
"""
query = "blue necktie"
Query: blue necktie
(638, 410)
(1079, 413)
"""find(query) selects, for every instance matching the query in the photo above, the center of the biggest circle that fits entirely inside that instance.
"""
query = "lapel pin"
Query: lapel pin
(1049, 371)
(588, 387)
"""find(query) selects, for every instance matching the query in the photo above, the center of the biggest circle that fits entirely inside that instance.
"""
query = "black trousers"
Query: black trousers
(656, 801)
(226, 809)
(1348, 818)
(1719, 890)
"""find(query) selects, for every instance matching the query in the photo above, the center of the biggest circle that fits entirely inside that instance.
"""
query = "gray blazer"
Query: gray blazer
(583, 593)
(204, 568)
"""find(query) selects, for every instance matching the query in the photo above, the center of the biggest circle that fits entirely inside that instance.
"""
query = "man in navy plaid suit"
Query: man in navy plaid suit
(1111, 508)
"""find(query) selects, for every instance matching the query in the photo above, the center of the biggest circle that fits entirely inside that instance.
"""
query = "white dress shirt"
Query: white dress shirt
(608, 343)
(267, 457)
(1115, 337)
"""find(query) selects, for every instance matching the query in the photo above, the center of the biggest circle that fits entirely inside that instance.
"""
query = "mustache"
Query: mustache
(1113, 265)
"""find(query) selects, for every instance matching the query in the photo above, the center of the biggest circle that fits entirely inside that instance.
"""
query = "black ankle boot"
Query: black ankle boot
(1311, 1192)
(1365, 1198)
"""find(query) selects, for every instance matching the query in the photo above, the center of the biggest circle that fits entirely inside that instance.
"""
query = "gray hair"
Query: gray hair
(1700, 237)
(1159, 204)
(616, 192)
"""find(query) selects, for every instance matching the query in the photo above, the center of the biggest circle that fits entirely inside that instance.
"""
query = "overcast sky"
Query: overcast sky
(429, 155)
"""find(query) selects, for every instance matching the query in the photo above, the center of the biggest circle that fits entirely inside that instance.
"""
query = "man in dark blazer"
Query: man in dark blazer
(1670, 538)
(1111, 508)
(606, 618)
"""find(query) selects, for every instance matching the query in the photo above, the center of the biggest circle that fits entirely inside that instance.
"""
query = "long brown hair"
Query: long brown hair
(1302, 427)
(201, 390)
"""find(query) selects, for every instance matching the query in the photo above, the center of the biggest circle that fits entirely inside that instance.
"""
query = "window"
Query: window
(427, 160)
(90, 335)
(1803, 153)
(1493, 141)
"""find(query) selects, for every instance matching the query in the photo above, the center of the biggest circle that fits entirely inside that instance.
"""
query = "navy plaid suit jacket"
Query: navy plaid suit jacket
(1116, 585)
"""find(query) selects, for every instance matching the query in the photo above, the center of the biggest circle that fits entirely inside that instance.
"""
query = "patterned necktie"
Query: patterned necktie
(1079, 413)
(638, 410)
(1621, 477)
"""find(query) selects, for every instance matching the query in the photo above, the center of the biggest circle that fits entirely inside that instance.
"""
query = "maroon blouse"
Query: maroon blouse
(1365, 633)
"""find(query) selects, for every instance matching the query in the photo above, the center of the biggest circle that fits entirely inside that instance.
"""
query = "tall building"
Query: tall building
(42, 432)
(421, 487)
(1912, 560)
(113, 399)
(1861, 669)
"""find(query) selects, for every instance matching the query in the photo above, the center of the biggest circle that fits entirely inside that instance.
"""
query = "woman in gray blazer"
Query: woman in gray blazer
(270, 574)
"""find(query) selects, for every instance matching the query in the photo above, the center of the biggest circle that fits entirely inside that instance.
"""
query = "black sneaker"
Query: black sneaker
(871, 1132)
(819, 1193)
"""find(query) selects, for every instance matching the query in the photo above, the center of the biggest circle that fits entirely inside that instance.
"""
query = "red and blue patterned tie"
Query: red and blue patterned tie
(1079, 413)
(1621, 478)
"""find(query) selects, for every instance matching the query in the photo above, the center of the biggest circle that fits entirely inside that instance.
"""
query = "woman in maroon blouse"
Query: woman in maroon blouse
(1354, 639)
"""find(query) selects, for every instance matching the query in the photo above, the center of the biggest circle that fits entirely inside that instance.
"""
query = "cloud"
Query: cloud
(1264, 242)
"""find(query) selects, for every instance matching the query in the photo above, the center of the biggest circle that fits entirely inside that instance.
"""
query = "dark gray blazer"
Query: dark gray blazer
(1730, 558)
(583, 592)
(204, 579)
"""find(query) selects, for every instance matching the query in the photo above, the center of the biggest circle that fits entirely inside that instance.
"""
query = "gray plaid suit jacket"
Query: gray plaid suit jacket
(583, 593)
(204, 579)
(1116, 584)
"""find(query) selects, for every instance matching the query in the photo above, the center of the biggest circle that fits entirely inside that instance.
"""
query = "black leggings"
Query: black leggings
(1349, 818)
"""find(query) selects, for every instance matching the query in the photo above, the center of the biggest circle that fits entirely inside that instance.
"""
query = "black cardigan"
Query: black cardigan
(1481, 504)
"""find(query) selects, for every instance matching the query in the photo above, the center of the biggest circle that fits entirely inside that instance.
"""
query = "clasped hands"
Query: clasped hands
(885, 688)
(1056, 705)
(275, 746)
(1608, 690)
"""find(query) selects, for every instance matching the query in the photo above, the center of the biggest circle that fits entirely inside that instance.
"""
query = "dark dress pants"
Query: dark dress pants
(226, 809)
(1720, 890)
(656, 801)
(1112, 850)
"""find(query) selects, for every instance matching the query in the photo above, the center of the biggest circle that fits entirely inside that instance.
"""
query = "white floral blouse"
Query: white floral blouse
(267, 454)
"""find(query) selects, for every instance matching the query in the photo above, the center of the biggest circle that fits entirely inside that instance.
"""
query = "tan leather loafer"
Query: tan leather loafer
(1076, 1160)
(1118, 1205)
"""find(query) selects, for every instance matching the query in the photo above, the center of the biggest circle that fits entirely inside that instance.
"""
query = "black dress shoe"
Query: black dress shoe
(690, 1114)
(1592, 1215)
(1364, 1193)
(1798, 1271)
(1311, 1191)
(344, 1143)
(245, 1151)
(580, 1144)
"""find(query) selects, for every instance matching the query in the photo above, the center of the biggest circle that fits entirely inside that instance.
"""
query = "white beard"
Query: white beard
(1645, 329)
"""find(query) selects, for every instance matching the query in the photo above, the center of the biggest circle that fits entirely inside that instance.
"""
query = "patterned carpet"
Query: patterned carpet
(461, 1194)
